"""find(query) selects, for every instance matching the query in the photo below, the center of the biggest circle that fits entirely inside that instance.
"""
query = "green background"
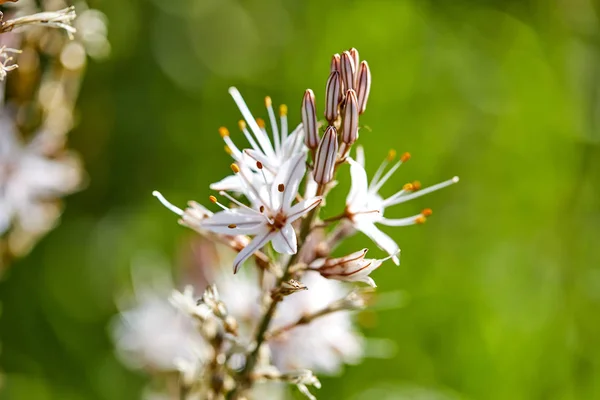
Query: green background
(502, 283)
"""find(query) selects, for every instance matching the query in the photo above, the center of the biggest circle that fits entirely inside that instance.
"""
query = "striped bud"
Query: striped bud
(332, 96)
(335, 63)
(350, 124)
(348, 70)
(356, 60)
(363, 86)
(326, 156)
(309, 120)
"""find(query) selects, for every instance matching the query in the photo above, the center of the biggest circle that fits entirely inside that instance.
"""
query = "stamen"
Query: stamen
(416, 185)
(232, 226)
(391, 155)
(283, 111)
(228, 150)
(214, 200)
(166, 203)
(262, 209)
(401, 199)
(420, 220)
(409, 187)
(259, 165)
(281, 187)
(376, 185)
(224, 132)
(427, 212)
(261, 123)
(274, 127)
(243, 127)
(235, 168)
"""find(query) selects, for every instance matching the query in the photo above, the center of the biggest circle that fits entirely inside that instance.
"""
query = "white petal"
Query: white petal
(358, 195)
(368, 280)
(294, 143)
(379, 238)
(240, 221)
(231, 183)
(299, 209)
(285, 240)
(259, 241)
(290, 175)
(262, 138)
(360, 155)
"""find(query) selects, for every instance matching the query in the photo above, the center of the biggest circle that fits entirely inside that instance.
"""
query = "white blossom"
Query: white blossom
(365, 207)
(323, 345)
(31, 181)
(271, 217)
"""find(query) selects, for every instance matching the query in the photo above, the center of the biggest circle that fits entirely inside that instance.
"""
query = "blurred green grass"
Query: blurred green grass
(504, 279)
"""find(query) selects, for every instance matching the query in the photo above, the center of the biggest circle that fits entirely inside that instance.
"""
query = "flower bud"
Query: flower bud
(355, 58)
(326, 156)
(309, 120)
(363, 86)
(348, 70)
(350, 124)
(335, 63)
(332, 96)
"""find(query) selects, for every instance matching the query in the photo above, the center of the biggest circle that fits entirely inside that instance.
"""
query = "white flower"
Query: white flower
(365, 207)
(31, 181)
(273, 214)
(153, 333)
(323, 345)
(271, 154)
(351, 268)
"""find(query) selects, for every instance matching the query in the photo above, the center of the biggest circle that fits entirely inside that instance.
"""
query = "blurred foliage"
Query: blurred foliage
(504, 279)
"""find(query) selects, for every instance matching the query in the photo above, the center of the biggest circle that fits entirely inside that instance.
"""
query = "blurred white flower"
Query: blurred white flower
(365, 207)
(323, 345)
(151, 333)
(31, 181)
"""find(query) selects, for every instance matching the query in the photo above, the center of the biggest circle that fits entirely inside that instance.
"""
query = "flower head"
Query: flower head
(365, 207)
(271, 214)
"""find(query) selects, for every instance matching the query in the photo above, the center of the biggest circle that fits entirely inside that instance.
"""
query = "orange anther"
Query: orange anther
(426, 212)
(242, 124)
(268, 102)
(405, 157)
(212, 199)
(416, 185)
(420, 219)
(228, 150)
(235, 168)
(260, 122)
(224, 132)
(408, 187)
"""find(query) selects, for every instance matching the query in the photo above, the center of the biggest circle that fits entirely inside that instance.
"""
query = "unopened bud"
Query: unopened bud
(332, 96)
(350, 127)
(335, 63)
(309, 120)
(355, 58)
(348, 70)
(326, 156)
(363, 85)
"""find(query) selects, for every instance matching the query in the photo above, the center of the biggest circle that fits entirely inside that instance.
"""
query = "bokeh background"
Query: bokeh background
(501, 286)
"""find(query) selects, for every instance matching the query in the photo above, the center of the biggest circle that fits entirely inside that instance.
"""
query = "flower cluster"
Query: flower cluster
(36, 168)
(296, 320)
